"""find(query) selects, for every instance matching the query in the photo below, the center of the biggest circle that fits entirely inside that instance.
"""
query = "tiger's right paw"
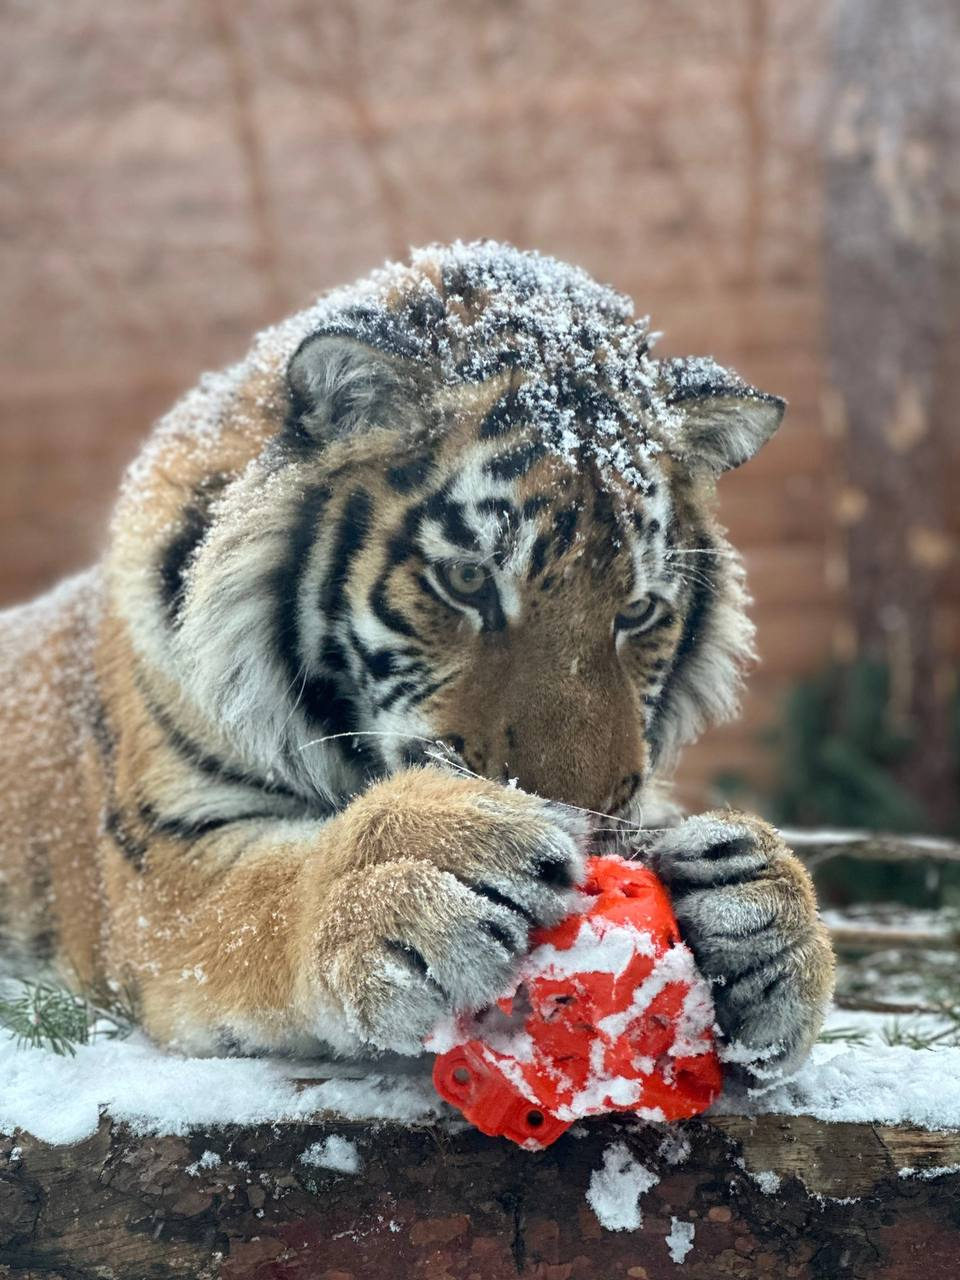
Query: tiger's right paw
(457, 873)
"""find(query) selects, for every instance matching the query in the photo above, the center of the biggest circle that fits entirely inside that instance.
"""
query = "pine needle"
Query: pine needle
(44, 1016)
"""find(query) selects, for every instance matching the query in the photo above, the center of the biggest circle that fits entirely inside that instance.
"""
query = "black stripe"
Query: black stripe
(351, 534)
(409, 475)
(287, 579)
(427, 587)
(396, 693)
(193, 828)
(503, 417)
(415, 961)
(385, 611)
(538, 556)
(132, 847)
(204, 761)
(699, 605)
(379, 662)
(428, 690)
(333, 657)
(499, 934)
(502, 508)
(177, 555)
(533, 506)
(511, 466)
(564, 529)
(449, 515)
(680, 886)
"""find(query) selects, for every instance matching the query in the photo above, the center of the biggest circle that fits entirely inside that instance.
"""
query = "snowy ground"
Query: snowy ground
(59, 1099)
(866, 1069)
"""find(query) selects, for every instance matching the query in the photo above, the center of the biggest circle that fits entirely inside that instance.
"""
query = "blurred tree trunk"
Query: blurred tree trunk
(891, 186)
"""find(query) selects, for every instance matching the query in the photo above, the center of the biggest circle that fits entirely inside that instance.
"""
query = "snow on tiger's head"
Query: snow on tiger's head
(460, 500)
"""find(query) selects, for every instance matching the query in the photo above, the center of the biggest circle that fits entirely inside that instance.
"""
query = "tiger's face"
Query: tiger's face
(512, 606)
(484, 529)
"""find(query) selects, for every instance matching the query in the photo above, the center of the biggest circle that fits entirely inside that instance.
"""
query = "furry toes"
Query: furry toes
(746, 907)
(440, 923)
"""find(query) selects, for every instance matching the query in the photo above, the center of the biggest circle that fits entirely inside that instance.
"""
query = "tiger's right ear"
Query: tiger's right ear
(338, 386)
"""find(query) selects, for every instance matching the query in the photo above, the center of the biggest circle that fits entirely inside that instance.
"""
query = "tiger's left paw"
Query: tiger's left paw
(746, 908)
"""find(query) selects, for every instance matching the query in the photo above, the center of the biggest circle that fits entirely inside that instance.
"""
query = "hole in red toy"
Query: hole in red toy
(534, 1119)
(461, 1075)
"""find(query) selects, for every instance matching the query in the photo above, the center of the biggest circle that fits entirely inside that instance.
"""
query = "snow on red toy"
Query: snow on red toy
(609, 1014)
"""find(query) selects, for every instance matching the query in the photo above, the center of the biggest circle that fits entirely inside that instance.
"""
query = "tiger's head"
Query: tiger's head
(481, 517)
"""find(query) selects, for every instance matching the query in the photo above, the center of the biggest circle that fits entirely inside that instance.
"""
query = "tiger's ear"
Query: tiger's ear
(723, 420)
(338, 385)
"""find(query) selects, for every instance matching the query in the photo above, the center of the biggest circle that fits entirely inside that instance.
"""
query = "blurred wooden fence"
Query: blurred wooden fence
(178, 174)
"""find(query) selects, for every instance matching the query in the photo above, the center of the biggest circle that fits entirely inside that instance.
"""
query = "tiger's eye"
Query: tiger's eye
(465, 579)
(637, 614)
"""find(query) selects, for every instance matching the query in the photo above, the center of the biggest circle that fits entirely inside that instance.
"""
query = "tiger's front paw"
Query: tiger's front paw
(457, 872)
(746, 907)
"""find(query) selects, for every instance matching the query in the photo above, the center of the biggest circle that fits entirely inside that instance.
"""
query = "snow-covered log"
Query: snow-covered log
(767, 1196)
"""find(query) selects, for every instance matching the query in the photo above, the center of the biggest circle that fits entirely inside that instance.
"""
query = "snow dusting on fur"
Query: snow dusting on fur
(466, 312)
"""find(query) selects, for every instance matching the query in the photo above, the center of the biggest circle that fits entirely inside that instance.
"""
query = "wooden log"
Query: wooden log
(861, 938)
(817, 847)
(771, 1196)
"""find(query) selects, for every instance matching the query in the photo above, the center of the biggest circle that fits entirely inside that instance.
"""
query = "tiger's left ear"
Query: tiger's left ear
(338, 385)
(723, 420)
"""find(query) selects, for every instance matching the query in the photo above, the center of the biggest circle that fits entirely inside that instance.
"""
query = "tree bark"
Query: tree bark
(442, 1203)
(892, 269)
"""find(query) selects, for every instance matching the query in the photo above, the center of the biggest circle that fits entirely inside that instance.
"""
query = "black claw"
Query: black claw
(734, 848)
(500, 933)
(415, 959)
(555, 872)
(502, 900)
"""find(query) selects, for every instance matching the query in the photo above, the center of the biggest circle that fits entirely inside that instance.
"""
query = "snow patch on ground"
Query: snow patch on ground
(60, 1100)
(934, 1171)
(339, 1154)
(680, 1239)
(878, 1084)
(209, 1160)
(616, 1187)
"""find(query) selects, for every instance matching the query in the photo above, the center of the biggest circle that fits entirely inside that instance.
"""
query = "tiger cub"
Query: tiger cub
(398, 616)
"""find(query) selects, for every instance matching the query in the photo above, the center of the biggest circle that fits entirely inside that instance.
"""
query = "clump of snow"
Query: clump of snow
(932, 1171)
(597, 949)
(339, 1154)
(616, 1187)
(209, 1160)
(675, 1147)
(675, 965)
(768, 1181)
(680, 1239)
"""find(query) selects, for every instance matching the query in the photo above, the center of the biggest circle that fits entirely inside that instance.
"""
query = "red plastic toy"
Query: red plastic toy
(610, 1014)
